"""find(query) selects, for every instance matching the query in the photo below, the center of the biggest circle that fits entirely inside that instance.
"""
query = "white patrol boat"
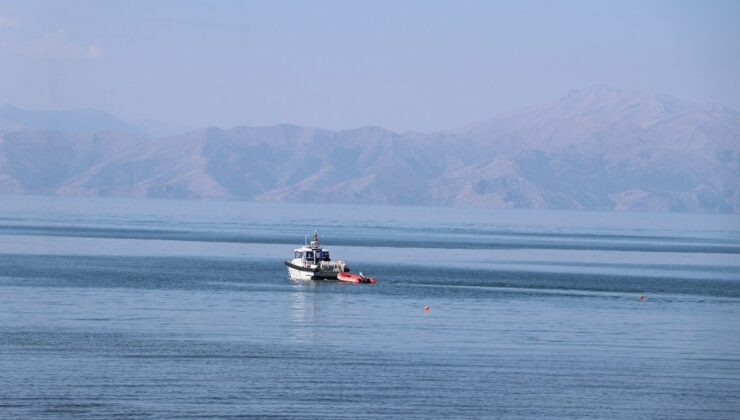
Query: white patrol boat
(311, 262)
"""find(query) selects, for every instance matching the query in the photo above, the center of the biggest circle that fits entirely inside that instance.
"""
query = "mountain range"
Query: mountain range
(596, 148)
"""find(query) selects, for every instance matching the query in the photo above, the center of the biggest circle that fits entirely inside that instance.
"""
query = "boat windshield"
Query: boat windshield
(298, 254)
(309, 255)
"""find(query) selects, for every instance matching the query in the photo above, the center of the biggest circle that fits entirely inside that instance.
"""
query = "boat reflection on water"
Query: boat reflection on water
(303, 312)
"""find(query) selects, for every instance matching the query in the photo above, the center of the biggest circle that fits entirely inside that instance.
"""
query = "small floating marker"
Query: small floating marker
(426, 309)
(642, 297)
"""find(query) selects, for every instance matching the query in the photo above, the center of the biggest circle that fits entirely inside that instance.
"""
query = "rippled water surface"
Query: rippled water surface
(152, 309)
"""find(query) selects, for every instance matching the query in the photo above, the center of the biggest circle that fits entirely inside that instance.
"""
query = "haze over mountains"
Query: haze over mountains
(596, 148)
(14, 119)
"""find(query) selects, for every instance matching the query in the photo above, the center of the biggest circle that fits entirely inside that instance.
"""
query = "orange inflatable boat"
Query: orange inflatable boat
(354, 278)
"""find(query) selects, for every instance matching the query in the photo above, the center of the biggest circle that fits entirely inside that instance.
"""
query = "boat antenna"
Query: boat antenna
(305, 239)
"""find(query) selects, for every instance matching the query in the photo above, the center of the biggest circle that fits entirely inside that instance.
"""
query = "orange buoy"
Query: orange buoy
(426, 309)
(642, 297)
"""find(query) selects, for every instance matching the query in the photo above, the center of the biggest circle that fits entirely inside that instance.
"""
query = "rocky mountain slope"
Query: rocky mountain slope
(596, 148)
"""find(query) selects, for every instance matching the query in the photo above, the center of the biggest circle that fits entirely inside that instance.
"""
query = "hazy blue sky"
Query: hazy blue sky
(421, 65)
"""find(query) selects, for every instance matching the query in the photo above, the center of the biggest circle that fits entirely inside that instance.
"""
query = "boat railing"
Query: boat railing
(336, 265)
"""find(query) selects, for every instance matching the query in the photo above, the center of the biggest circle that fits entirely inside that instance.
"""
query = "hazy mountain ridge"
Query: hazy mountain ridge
(76, 121)
(596, 148)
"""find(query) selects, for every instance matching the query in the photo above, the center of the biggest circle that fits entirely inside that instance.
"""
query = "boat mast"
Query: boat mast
(315, 240)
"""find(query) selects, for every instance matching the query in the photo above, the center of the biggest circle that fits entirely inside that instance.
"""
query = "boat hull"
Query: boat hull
(296, 272)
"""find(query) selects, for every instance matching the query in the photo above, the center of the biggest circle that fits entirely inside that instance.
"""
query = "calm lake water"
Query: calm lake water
(158, 309)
